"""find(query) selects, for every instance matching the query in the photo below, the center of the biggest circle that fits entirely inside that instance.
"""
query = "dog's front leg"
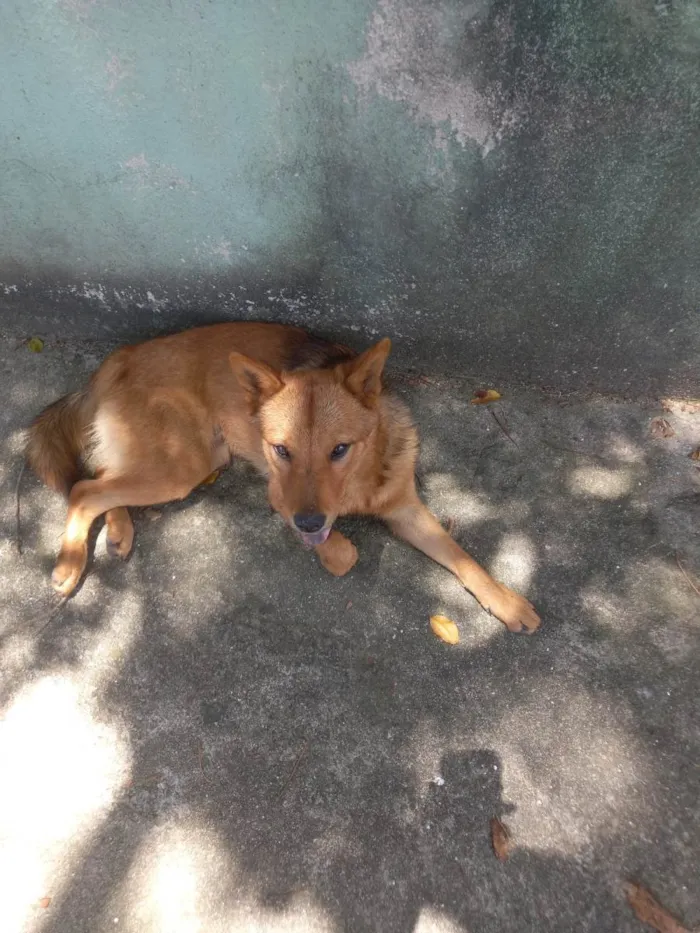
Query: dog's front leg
(337, 554)
(417, 525)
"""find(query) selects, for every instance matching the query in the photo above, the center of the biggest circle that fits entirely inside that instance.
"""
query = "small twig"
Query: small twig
(18, 529)
(54, 612)
(295, 767)
(683, 571)
(503, 427)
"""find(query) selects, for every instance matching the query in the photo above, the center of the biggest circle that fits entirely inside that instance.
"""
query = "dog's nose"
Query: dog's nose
(309, 523)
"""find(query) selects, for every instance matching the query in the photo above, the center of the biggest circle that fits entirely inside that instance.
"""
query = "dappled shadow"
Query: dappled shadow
(250, 743)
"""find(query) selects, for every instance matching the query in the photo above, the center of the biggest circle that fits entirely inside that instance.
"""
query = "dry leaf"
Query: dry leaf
(484, 396)
(695, 454)
(445, 629)
(648, 910)
(691, 405)
(44, 902)
(212, 478)
(152, 514)
(500, 839)
(661, 428)
(35, 344)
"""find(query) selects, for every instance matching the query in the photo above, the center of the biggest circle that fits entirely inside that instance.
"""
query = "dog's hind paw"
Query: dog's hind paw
(69, 569)
(122, 547)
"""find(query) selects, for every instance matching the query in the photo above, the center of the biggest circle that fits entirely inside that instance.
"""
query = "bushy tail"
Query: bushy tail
(55, 442)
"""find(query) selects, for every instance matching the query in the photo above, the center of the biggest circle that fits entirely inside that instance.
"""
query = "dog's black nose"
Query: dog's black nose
(309, 523)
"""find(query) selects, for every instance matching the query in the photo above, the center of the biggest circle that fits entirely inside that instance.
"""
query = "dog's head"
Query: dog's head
(318, 432)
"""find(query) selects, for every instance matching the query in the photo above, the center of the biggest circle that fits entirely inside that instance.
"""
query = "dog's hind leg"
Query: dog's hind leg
(120, 532)
(417, 525)
(93, 497)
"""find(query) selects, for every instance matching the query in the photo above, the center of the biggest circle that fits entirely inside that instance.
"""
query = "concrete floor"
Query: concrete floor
(219, 736)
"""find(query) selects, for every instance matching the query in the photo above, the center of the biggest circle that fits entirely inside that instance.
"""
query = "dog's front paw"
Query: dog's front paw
(513, 610)
(337, 554)
(69, 568)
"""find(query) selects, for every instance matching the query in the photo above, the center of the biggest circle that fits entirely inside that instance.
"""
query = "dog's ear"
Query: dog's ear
(363, 376)
(257, 379)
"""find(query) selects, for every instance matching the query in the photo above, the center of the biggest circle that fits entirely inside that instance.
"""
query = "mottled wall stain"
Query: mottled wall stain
(416, 53)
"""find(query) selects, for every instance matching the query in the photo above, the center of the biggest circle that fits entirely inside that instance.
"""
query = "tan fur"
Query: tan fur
(159, 417)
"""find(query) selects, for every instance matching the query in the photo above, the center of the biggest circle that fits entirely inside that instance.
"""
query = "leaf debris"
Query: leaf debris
(484, 396)
(660, 427)
(648, 910)
(500, 839)
(445, 629)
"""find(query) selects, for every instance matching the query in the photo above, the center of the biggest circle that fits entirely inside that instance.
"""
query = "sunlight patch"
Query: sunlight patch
(443, 492)
(599, 482)
(432, 921)
(557, 743)
(515, 561)
(61, 770)
(185, 880)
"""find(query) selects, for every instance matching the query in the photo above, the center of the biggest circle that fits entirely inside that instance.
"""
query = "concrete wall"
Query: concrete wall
(503, 187)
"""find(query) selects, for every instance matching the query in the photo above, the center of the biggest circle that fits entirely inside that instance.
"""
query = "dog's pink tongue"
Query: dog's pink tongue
(318, 537)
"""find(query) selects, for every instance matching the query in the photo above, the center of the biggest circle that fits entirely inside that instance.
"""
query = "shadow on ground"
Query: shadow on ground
(219, 736)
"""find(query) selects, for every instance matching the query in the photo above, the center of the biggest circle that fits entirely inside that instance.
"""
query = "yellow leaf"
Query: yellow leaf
(484, 396)
(35, 344)
(445, 629)
(212, 478)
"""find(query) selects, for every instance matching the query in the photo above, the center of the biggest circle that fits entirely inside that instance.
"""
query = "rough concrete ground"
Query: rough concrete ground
(218, 736)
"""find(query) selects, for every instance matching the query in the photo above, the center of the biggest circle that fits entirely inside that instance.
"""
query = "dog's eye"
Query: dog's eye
(281, 451)
(339, 451)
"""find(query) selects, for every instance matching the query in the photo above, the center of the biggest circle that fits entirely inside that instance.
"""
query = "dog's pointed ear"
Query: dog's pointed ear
(258, 380)
(363, 376)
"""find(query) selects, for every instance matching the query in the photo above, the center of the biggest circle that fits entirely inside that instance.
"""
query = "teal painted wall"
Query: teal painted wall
(503, 186)
(141, 138)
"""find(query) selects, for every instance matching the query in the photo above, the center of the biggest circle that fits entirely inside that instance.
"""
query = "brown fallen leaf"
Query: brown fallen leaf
(500, 839)
(450, 525)
(484, 396)
(695, 455)
(445, 629)
(35, 344)
(44, 902)
(212, 478)
(152, 514)
(661, 428)
(691, 405)
(648, 910)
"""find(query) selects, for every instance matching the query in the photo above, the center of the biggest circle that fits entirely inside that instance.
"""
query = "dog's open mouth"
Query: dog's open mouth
(315, 538)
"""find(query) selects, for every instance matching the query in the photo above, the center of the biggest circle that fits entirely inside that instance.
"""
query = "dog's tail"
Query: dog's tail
(56, 440)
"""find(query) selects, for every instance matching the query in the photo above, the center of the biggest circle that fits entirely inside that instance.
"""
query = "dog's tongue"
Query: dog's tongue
(318, 537)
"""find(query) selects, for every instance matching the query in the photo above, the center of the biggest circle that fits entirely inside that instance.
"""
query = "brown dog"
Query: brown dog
(158, 418)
